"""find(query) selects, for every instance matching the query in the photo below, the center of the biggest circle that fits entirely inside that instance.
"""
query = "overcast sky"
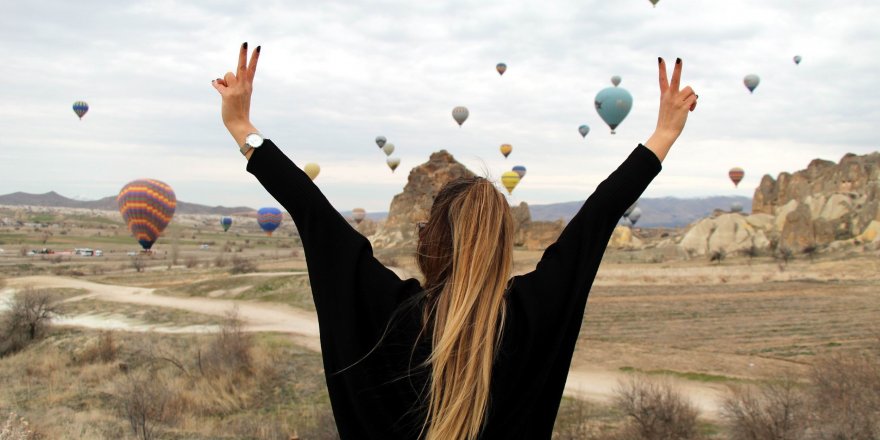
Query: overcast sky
(334, 75)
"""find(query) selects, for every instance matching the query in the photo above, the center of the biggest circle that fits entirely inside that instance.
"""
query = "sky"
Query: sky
(333, 75)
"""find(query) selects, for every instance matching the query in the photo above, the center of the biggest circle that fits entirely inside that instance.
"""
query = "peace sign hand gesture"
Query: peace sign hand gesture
(675, 105)
(236, 89)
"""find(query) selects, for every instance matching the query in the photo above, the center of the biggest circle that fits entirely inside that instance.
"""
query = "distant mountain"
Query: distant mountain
(666, 212)
(55, 200)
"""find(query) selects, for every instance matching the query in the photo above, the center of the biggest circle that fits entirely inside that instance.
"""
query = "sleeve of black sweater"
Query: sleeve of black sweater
(554, 295)
(354, 294)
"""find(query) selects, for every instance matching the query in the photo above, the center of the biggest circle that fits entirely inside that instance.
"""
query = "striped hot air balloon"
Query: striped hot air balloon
(269, 219)
(736, 175)
(147, 205)
(80, 108)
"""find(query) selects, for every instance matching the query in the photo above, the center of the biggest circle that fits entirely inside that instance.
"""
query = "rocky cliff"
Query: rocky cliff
(414, 205)
(825, 204)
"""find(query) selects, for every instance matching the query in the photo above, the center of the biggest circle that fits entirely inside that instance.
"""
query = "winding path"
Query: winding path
(584, 383)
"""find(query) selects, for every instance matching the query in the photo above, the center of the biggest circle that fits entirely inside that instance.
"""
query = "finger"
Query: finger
(664, 82)
(686, 93)
(229, 79)
(252, 66)
(220, 87)
(691, 102)
(222, 82)
(242, 61)
(676, 75)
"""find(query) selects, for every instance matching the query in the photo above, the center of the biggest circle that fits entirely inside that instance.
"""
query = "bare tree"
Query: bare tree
(656, 411)
(27, 319)
(775, 411)
(143, 400)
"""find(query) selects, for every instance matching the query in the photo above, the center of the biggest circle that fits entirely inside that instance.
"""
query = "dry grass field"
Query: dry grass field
(705, 326)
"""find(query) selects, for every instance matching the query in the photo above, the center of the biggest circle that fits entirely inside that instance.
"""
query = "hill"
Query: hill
(665, 212)
(53, 199)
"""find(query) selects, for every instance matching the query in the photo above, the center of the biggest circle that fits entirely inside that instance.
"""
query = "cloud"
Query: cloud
(335, 74)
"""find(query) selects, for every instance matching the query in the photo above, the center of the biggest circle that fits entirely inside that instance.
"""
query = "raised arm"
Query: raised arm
(354, 293)
(557, 289)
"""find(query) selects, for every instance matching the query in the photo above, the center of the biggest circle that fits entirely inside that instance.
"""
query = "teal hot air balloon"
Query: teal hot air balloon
(80, 108)
(269, 219)
(751, 82)
(615, 80)
(521, 170)
(584, 130)
(797, 59)
(225, 222)
(613, 104)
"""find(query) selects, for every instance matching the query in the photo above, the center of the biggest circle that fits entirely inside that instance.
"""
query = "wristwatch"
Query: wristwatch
(252, 140)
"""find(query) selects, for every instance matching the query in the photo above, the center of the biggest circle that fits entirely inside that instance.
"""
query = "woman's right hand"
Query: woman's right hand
(236, 89)
(675, 105)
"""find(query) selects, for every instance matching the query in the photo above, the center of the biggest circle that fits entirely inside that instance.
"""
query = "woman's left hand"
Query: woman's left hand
(236, 89)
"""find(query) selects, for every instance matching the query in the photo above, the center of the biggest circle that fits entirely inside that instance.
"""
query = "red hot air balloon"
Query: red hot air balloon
(147, 205)
(736, 175)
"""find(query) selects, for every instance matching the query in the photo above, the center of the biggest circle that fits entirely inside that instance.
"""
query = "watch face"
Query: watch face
(254, 140)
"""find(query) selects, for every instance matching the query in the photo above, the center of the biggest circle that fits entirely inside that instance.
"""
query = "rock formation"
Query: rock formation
(818, 206)
(414, 205)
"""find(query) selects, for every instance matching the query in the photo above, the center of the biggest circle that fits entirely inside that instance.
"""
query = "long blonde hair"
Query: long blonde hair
(466, 254)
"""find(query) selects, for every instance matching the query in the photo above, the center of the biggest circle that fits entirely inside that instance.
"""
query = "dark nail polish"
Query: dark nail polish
(677, 60)
(244, 45)
(659, 60)
(258, 49)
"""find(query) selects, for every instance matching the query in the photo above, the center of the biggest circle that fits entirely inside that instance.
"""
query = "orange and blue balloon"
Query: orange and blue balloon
(147, 205)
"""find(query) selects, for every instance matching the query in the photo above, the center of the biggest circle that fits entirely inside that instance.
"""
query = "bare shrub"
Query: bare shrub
(220, 261)
(190, 262)
(776, 411)
(242, 265)
(16, 428)
(783, 255)
(28, 318)
(846, 397)
(811, 251)
(143, 399)
(655, 410)
(138, 263)
(717, 256)
(231, 350)
(103, 350)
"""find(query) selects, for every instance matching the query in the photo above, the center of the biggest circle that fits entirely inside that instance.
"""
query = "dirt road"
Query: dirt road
(583, 382)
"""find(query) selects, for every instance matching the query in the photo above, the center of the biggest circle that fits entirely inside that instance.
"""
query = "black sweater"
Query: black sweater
(377, 390)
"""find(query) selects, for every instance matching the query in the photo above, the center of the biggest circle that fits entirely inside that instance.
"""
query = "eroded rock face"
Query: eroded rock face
(414, 203)
(729, 233)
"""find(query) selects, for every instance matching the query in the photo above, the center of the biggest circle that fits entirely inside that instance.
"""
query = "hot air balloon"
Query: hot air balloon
(613, 104)
(630, 209)
(380, 141)
(635, 215)
(736, 207)
(147, 205)
(358, 214)
(226, 222)
(501, 68)
(797, 59)
(521, 170)
(615, 80)
(506, 149)
(388, 149)
(80, 108)
(654, 2)
(751, 81)
(460, 114)
(393, 162)
(312, 170)
(584, 130)
(269, 219)
(510, 179)
(736, 174)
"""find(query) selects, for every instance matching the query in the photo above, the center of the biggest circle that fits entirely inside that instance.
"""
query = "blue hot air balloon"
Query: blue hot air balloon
(521, 170)
(269, 219)
(584, 130)
(80, 108)
(225, 222)
(613, 104)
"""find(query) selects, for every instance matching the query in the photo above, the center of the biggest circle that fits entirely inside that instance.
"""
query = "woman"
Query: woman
(472, 353)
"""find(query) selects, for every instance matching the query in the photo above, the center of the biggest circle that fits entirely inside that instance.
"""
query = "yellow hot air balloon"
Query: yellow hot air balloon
(312, 170)
(506, 149)
(510, 179)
